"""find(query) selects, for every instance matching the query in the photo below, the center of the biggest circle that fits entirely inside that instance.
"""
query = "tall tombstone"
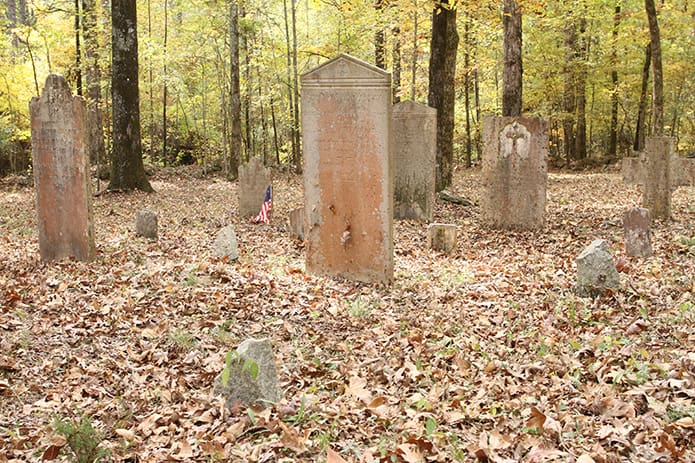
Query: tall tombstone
(414, 160)
(254, 179)
(657, 177)
(514, 172)
(61, 173)
(348, 184)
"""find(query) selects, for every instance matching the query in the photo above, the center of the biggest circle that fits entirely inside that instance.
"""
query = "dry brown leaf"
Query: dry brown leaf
(333, 456)
(125, 433)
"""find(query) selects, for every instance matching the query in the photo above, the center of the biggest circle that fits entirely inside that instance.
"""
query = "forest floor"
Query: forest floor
(482, 355)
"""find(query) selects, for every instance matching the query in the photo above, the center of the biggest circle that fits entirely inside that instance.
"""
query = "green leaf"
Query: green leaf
(225, 376)
(251, 368)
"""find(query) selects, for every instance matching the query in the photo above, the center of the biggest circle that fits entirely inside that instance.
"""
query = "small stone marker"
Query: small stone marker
(296, 222)
(596, 272)
(414, 160)
(252, 375)
(638, 236)
(146, 224)
(442, 237)
(514, 172)
(226, 244)
(348, 183)
(254, 179)
(61, 173)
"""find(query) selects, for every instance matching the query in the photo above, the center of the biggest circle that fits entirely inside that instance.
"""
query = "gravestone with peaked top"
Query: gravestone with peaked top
(61, 173)
(414, 160)
(348, 182)
(254, 179)
(514, 172)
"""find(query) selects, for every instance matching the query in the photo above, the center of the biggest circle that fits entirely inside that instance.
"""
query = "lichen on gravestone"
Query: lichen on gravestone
(226, 244)
(250, 375)
(596, 272)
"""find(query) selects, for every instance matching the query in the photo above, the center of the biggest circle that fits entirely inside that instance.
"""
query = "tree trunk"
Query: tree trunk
(234, 92)
(569, 97)
(295, 90)
(466, 89)
(95, 129)
(78, 51)
(413, 64)
(580, 92)
(127, 170)
(165, 90)
(613, 142)
(379, 46)
(640, 134)
(396, 55)
(513, 67)
(442, 77)
(657, 72)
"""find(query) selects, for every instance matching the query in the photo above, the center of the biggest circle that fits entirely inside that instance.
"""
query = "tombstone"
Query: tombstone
(225, 245)
(146, 224)
(251, 377)
(514, 172)
(296, 223)
(348, 184)
(254, 179)
(442, 237)
(638, 236)
(660, 171)
(414, 160)
(61, 173)
(596, 272)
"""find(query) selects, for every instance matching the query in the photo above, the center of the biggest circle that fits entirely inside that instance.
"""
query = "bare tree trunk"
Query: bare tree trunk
(295, 89)
(442, 79)
(234, 92)
(413, 65)
(95, 129)
(379, 46)
(513, 67)
(165, 158)
(613, 142)
(657, 71)
(78, 50)
(396, 56)
(580, 151)
(570, 88)
(640, 134)
(466, 88)
(250, 150)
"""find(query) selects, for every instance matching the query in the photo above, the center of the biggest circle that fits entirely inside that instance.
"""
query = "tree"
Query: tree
(95, 129)
(513, 68)
(127, 169)
(613, 142)
(657, 71)
(442, 78)
(234, 92)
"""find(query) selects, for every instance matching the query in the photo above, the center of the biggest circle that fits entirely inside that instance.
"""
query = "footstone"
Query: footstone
(442, 237)
(414, 160)
(514, 172)
(226, 244)
(254, 179)
(348, 184)
(296, 223)
(596, 272)
(638, 240)
(146, 224)
(61, 173)
(251, 377)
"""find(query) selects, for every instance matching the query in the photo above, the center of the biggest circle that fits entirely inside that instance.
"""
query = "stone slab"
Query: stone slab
(442, 237)
(596, 272)
(657, 180)
(637, 232)
(146, 224)
(254, 179)
(226, 245)
(296, 224)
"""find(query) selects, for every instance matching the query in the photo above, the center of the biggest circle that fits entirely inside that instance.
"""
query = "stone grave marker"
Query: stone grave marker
(348, 183)
(254, 179)
(514, 172)
(442, 237)
(414, 160)
(146, 224)
(61, 173)
(296, 224)
(596, 272)
(226, 245)
(638, 236)
(660, 171)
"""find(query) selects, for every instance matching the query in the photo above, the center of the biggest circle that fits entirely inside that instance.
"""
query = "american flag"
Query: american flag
(264, 215)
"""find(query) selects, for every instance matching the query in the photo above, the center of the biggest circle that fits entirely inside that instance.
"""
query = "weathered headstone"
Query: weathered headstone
(146, 224)
(251, 376)
(596, 272)
(226, 244)
(61, 173)
(254, 179)
(514, 172)
(348, 183)
(638, 236)
(414, 160)
(442, 237)
(296, 223)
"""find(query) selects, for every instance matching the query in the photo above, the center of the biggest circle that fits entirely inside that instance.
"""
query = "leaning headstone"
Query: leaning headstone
(296, 222)
(514, 172)
(638, 236)
(442, 237)
(348, 184)
(146, 224)
(414, 160)
(596, 272)
(254, 179)
(250, 376)
(225, 245)
(61, 173)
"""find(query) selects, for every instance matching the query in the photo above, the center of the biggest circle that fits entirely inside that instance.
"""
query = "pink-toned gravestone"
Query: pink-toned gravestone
(61, 173)
(638, 236)
(514, 172)
(254, 179)
(348, 186)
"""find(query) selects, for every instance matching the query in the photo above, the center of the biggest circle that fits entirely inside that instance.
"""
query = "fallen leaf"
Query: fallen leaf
(333, 456)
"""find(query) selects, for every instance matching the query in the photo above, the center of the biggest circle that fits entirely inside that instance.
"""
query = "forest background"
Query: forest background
(583, 60)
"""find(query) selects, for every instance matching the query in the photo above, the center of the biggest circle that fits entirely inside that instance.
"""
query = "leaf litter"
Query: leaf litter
(482, 355)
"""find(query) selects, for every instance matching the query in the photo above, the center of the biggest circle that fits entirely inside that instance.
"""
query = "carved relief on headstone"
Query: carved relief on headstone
(514, 172)
(414, 160)
(61, 173)
(254, 179)
(348, 183)
(638, 236)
